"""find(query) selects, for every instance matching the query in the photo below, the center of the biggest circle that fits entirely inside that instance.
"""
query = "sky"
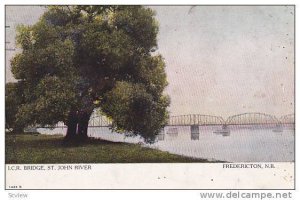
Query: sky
(220, 60)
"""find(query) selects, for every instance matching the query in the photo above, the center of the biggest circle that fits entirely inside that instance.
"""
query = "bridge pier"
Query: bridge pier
(278, 128)
(194, 132)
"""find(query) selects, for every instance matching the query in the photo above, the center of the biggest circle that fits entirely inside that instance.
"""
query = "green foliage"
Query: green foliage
(13, 100)
(54, 102)
(147, 115)
(78, 58)
(138, 24)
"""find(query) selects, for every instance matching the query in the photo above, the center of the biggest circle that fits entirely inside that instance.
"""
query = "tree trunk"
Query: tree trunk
(83, 123)
(72, 126)
(77, 124)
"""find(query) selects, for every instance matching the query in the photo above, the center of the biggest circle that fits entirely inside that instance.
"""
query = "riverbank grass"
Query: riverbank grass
(42, 149)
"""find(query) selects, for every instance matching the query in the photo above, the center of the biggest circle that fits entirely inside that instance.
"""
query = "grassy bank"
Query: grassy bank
(31, 149)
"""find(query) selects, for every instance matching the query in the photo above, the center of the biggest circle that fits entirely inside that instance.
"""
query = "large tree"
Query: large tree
(79, 58)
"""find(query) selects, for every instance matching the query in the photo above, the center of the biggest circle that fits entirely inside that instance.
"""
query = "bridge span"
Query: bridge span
(254, 118)
(201, 120)
(194, 121)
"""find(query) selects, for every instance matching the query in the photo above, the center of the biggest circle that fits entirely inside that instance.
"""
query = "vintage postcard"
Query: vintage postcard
(149, 97)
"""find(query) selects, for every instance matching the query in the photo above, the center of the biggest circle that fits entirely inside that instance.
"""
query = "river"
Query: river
(244, 144)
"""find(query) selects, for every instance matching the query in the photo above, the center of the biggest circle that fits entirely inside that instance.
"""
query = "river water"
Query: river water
(244, 144)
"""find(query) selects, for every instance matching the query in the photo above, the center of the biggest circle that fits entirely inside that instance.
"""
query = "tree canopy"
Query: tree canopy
(79, 58)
